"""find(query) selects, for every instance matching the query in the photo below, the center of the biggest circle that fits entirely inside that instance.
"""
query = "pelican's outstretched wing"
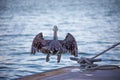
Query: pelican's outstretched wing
(38, 43)
(70, 44)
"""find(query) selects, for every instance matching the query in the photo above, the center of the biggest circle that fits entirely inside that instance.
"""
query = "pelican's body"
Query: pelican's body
(54, 46)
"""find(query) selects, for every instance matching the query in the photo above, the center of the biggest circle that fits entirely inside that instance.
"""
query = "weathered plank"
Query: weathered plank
(74, 73)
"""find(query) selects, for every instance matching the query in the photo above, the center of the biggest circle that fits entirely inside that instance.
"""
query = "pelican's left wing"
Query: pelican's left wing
(70, 44)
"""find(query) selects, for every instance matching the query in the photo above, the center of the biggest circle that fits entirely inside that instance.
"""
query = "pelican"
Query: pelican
(54, 46)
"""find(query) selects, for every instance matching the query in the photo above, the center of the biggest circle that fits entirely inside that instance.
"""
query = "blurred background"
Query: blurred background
(94, 23)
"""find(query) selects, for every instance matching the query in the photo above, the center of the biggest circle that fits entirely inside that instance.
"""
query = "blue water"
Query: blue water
(94, 23)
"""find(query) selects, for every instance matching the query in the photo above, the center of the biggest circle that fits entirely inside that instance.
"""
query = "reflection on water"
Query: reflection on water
(95, 25)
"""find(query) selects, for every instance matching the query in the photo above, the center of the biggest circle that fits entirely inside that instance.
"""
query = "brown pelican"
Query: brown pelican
(54, 46)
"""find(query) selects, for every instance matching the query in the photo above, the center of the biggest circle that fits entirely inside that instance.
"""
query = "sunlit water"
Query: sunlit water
(94, 23)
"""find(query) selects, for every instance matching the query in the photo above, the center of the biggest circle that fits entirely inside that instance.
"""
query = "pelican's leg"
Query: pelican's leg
(58, 57)
(47, 57)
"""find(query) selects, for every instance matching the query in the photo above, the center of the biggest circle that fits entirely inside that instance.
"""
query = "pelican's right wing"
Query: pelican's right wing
(38, 43)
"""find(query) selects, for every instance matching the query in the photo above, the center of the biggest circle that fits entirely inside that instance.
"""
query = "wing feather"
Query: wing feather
(70, 44)
(37, 43)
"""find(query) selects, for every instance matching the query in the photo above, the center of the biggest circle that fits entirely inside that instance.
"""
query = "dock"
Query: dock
(74, 73)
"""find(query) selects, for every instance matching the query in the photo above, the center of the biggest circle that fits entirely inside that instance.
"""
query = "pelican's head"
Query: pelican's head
(55, 28)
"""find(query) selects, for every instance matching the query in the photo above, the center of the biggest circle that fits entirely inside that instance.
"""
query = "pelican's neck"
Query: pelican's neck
(55, 29)
(55, 35)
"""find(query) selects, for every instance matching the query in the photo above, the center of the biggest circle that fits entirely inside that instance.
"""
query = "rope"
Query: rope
(102, 67)
(88, 64)
(106, 50)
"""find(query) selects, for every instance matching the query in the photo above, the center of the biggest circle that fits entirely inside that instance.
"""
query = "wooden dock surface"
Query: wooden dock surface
(74, 73)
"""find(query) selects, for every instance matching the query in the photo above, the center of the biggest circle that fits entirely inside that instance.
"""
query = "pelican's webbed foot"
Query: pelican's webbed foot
(58, 57)
(47, 57)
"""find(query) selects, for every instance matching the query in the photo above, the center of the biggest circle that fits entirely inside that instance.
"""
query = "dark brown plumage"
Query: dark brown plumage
(54, 46)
